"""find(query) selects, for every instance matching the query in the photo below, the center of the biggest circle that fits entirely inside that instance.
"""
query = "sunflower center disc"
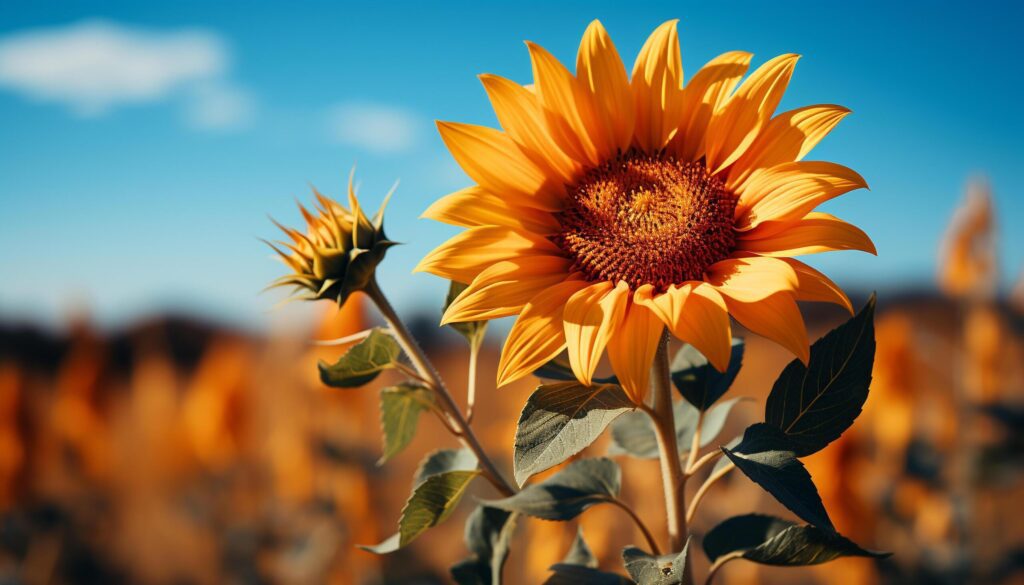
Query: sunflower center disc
(647, 220)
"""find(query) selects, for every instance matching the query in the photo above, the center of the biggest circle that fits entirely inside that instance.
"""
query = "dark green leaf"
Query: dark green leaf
(564, 574)
(646, 569)
(561, 419)
(774, 541)
(633, 432)
(364, 362)
(813, 405)
(400, 408)
(723, 461)
(439, 483)
(766, 457)
(579, 553)
(698, 381)
(473, 331)
(566, 494)
(488, 534)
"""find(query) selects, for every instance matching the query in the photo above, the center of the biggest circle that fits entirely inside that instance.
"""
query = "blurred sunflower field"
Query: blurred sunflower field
(178, 451)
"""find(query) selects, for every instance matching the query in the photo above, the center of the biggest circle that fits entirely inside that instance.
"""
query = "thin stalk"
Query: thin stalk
(708, 457)
(704, 488)
(695, 444)
(719, 563)
(474, 355)
(427, 371)
(344, 340)
(651, 542)
(672, 477)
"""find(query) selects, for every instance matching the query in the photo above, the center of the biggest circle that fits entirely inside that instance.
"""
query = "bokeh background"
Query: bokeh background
(161, 420)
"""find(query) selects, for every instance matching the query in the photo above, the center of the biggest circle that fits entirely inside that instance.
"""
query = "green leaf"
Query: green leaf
(714, 421)
(560, 420)
(698, 381)
(400, 408)
(813, 405)
(766, 457)
(473, 331)
(389, 545)
(773, 541)
(439, 484)
(579, 553)
(566, 494)
(364, 362)
(633, 432)
(488, 535)
(444, 460)
(564, 574)
(646, 569)
(432, 502)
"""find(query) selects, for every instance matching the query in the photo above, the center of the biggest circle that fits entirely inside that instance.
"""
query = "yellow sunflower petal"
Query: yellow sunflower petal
(816, 232)
(568, 107)
(790, 191)
(776, 317)
(787, 137)
(537, 335)
(474, 207)
(658, 88)
(815, 286)
(591, 316)
(632, 347)
(466, 255)
(751, 279)
(695, 313)
(497, 164)
(704, 94)
(503, 289)
(736, 124)
(599, 69)
(522, 116)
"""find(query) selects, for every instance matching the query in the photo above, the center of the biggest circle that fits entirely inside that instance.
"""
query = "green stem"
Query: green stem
(694, 445)
(474, 355)
(704, 488)
(719, 563)
(651, 542)
(672, 476)
(428, 372)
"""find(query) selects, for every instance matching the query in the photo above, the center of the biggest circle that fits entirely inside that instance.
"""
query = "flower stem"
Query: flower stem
(428, 372)
(695, 445)
(651, 542)
(719, 562)
(717, 475)
(672, 477)
(474, 356)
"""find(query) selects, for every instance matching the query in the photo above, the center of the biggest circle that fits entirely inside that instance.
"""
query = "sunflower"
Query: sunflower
(610, 207)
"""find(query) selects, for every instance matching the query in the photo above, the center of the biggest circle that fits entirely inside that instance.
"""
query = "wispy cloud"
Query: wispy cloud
(374, 127)
(93, 67)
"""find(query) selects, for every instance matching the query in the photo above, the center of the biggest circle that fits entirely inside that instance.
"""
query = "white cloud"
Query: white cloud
(92, 67)
(374, 127)
(219, 106)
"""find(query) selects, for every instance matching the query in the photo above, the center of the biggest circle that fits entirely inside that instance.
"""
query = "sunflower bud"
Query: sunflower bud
(339, 252)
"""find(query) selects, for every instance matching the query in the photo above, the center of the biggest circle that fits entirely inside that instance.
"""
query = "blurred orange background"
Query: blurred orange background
(179, 451)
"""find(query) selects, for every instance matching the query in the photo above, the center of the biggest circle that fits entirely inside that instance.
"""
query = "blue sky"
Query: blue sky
(130, 194)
